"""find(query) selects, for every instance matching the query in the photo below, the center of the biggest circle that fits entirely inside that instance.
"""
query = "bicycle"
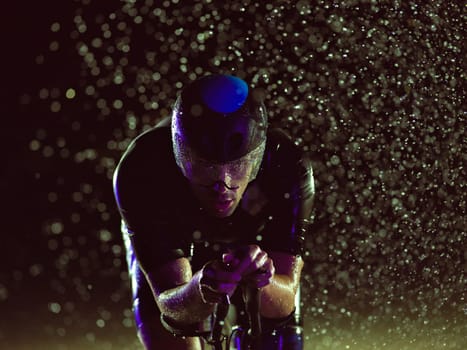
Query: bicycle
(253, 337)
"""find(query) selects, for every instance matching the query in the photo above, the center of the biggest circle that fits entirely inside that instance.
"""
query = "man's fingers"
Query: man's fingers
(262, 276)
(230, 260)
(257, 264)
(216, 271)
(235, 266)
(248, 255)
(259, 280)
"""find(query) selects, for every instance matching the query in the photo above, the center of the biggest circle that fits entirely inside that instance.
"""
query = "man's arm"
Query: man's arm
(186, 298)
(177, 293)
(278, 297)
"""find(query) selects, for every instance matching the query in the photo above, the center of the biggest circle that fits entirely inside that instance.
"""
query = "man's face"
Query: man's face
(220, 194)
(220, 187)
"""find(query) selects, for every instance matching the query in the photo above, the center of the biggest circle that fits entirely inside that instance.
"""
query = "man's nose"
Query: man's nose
(220, 187)
(222, 175)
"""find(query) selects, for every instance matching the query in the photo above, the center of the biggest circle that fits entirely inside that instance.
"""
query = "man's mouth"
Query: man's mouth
(223, 205)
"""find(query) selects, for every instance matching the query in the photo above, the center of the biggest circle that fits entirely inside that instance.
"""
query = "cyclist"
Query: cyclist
(213, 202)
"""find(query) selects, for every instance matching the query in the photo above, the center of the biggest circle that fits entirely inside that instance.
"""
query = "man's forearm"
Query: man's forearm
(278, 297)
(184, 303)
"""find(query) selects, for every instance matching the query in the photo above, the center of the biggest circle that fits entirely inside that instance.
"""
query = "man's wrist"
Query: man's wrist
(209, 294)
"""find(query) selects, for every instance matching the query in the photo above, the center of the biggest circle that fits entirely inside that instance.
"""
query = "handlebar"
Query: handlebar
(250, 340)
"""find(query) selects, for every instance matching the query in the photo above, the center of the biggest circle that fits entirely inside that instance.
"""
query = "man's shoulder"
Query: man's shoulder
(282, 155)
(156, 140)
(285, 167)
(148, 163)
(152, 148)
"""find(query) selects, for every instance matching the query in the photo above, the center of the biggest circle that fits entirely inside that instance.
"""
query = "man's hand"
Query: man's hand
(252, 264)
(218, 281)
(249, 265)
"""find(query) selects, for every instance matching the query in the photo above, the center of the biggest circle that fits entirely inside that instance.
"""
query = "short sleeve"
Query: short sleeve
(290, 184)
(144, 202)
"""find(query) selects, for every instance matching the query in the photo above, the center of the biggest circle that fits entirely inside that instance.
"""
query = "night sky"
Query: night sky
(373, 91)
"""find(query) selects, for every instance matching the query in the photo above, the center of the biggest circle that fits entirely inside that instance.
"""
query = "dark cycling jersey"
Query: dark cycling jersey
(163, 221)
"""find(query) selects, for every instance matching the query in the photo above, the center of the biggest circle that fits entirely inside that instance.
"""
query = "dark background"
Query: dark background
(373, 91)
